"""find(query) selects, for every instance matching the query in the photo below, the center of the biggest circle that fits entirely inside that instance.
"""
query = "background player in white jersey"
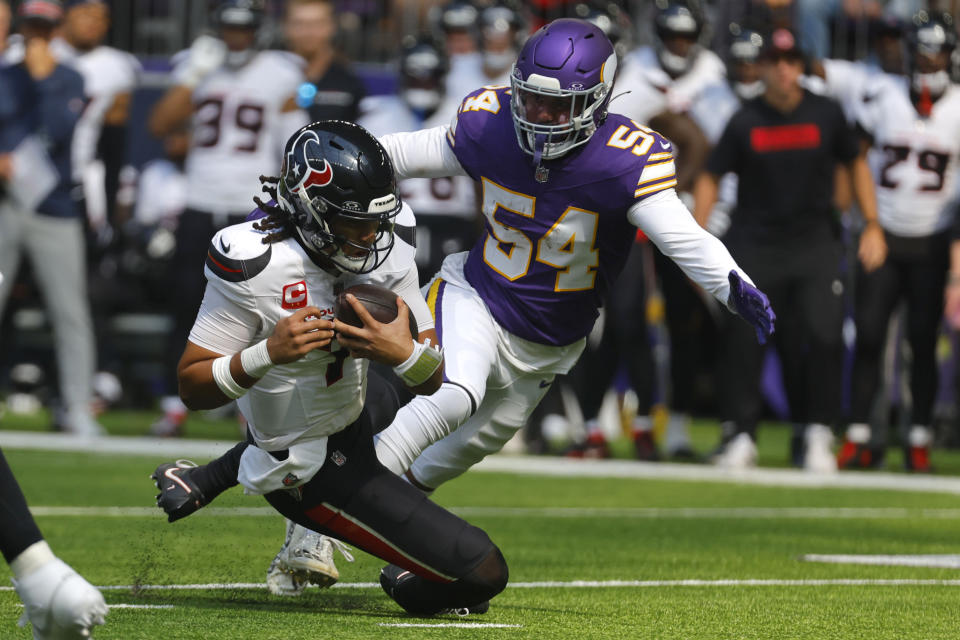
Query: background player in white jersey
(447, 211)
(564, 182)
(232, 94)
(109, 78)
(266, 335)
(914, 125)
(671, 74)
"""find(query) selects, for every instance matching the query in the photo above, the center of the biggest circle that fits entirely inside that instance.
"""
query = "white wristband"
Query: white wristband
(224, 379)
(255, 360)
(421, 364)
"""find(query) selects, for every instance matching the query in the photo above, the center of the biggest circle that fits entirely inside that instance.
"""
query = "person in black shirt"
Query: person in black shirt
(784, 147)
(332, 91)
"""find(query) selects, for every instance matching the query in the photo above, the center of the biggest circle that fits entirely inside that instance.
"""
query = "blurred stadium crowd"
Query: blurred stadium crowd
(133, 130)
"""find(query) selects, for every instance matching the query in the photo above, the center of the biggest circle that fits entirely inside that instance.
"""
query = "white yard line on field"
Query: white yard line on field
(159, 450)
(935, 561)
(680, 513)
(578, 584)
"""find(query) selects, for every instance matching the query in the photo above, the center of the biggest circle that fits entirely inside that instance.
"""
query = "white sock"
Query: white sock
(858, 433)
(920, 436)
(420, 423)
(31, 559)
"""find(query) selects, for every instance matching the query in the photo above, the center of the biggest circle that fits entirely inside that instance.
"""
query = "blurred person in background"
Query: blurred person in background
(233, 97)
(784, 146)
(41, 103)
(914, 127)
(815, 19)
(669, 75)
(446, 206)
(331, 90)
(109, 79)
(455, 26)
(503, 28)
(663, 83)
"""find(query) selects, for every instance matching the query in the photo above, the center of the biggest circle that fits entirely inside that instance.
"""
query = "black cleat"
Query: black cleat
(392, 577)
(179, 496)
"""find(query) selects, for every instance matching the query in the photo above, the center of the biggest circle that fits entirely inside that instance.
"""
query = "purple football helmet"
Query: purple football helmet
(569, 65)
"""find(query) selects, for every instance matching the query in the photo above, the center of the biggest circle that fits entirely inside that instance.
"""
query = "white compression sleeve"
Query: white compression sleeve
(670, 226)
(420, 423)
(422, 154)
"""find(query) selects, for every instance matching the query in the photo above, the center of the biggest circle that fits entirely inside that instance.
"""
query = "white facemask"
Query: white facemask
(421, 99)
(936, 82)
(499, 61)
(748, 90)
(237, 59)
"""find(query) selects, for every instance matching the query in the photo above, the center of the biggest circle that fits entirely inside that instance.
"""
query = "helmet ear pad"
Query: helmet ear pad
(337, 170)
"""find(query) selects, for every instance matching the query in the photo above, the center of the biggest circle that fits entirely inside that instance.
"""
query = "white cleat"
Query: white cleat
(59, 603)
(818, 455)
(281, 581)
(306, 557)
(739, 453)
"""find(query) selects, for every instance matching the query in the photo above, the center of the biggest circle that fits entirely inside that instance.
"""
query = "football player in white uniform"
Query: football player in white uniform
(670, 75)
(914, 123)
(266, 335)
(109, 78)
(232, 94)
(446, 206)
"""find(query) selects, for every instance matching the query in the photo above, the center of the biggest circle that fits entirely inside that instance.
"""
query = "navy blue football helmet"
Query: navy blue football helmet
(337, 170)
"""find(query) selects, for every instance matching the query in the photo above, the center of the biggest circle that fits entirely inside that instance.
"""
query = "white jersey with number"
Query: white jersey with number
(238, 130)
(250, 287)
(914, 159)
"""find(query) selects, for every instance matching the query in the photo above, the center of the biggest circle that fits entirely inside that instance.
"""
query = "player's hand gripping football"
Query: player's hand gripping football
(752, 305)
(389, 343)
(298, 334)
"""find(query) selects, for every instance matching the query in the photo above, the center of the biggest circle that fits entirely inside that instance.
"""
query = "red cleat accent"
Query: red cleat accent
(918, 460)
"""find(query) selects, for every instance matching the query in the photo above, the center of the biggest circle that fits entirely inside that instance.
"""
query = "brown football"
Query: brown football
(380, 302)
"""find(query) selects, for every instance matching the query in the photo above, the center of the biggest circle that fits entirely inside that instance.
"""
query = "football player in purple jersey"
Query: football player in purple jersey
(564, 184)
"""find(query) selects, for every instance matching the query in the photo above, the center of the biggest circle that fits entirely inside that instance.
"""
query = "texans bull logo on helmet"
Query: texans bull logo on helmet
(303, 173)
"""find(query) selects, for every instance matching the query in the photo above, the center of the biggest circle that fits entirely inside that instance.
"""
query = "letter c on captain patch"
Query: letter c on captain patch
(295, 295)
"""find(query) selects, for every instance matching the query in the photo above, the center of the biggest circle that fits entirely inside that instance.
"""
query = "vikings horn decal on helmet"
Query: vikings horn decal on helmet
(336, 173)
(568, 62)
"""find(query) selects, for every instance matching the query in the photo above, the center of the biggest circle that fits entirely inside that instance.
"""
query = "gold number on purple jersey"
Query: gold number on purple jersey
(638, 140)
(507, 250)
(485, 101)
(569, 246)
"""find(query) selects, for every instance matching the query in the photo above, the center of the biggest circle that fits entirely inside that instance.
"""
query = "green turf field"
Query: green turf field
(579, 534)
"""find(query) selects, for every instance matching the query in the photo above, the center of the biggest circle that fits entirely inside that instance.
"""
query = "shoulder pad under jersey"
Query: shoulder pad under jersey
(237, 253)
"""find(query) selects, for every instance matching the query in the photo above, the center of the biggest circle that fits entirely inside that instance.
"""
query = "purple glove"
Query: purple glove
(752, 305)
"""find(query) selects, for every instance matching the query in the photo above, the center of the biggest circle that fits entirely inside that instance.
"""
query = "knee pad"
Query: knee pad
(487, 579)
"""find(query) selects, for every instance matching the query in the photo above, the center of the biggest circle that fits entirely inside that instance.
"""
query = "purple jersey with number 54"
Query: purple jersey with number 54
(552, 249)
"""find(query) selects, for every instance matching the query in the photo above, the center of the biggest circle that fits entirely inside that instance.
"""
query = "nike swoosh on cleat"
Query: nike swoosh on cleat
(224, 246)
(169, 473)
